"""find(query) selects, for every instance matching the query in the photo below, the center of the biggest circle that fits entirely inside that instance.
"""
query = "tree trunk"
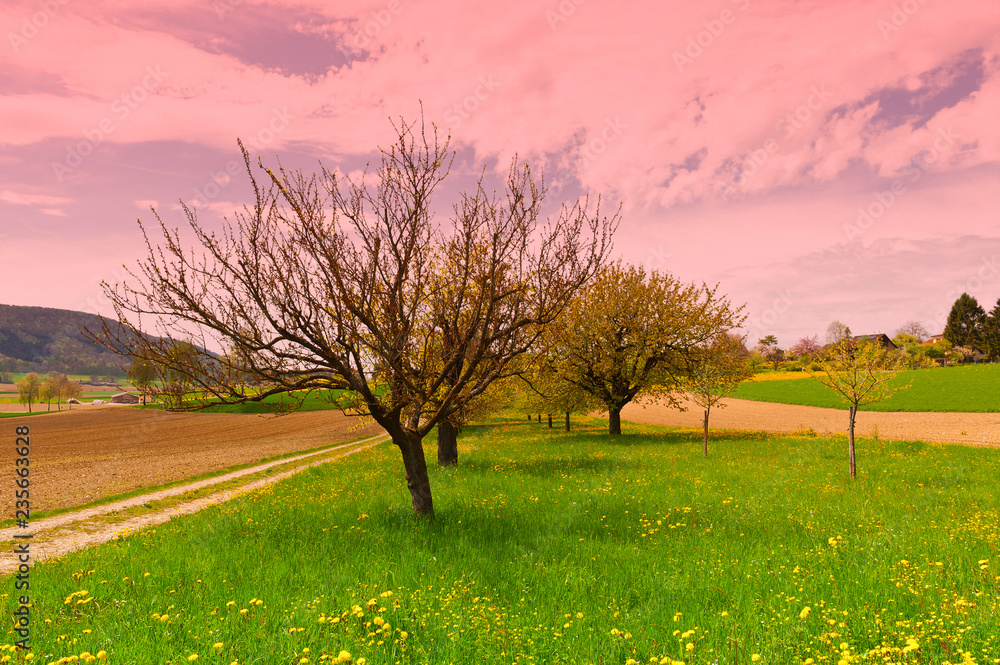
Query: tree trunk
(567, 421)
(447, 444)
(850, 441)
(705, 445)
(614, 420)
(529, 417)
(550, 421)
(417, 481)
(539, 417)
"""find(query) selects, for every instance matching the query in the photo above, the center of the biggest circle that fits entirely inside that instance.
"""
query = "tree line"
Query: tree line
(353, 288)
(54, 386)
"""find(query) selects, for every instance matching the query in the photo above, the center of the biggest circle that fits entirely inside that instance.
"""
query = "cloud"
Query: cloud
(20, 198)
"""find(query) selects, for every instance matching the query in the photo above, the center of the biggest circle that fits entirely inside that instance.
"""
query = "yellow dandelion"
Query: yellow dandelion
(755, 658)
(217, 645)
(193, 657)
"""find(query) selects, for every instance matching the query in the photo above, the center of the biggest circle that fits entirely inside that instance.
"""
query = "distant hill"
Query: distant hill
(42, 339)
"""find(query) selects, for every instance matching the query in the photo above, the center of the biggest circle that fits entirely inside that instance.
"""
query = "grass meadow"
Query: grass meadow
(967, 388)
(554, 547)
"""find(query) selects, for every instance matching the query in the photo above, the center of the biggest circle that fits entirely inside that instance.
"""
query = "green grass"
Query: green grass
(315, 401)
(969, 388)
(561, 548)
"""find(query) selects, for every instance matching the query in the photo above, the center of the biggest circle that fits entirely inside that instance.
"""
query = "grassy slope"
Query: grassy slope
(969, 388)
(561, 548)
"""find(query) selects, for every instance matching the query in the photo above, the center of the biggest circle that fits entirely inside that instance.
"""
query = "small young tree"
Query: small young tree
(860, 372)
(714, 373)
(28, 389)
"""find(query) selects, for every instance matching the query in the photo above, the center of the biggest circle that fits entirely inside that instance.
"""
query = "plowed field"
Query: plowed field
(82, 455)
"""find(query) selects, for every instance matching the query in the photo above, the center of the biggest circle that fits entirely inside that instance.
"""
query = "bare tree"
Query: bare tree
(837, 332)
(914, 328)
(326, 283)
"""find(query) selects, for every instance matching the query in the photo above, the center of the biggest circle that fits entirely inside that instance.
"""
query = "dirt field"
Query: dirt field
(81, 455)
(967, 428)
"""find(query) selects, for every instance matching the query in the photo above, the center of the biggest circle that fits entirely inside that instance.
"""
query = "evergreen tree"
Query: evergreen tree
(965, 323)
(991, 333)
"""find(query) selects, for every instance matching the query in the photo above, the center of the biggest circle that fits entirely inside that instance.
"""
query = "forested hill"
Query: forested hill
(42, 339)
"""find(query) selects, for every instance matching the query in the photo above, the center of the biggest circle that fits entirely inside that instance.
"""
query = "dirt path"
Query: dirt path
(968, 428)
(61, 534)
(83, 455)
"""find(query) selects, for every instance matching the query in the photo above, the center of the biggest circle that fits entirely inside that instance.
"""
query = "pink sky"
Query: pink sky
(744, 138)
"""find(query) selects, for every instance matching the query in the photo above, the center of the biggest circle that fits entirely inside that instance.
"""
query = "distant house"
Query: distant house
(881, 339)
(124, 398)
(935, 339)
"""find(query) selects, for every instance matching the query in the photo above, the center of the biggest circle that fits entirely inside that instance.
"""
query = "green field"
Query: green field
(551, 547)
(974, 388)
(317, 400)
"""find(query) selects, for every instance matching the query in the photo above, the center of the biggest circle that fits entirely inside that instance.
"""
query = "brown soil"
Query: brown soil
(968, 428)
(82, 455)
(58, 535)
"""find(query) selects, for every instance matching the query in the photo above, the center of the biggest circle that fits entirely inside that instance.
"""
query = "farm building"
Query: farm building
(124, 398)
(881, 339)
